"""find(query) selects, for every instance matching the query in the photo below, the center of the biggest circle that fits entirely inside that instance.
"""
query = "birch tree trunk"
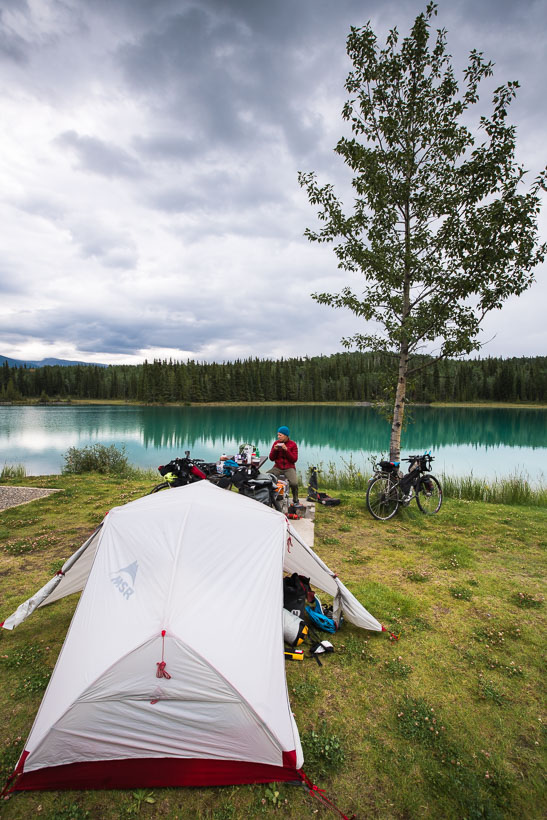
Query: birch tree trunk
(400, 392)
(399, 408)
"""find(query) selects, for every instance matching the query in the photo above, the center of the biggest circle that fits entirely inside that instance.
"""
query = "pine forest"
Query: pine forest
(340, 377)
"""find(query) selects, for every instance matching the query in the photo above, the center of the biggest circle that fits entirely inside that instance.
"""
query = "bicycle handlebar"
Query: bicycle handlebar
(429, 457)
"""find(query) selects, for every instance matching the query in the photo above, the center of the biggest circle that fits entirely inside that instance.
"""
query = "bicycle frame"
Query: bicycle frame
(387, 488)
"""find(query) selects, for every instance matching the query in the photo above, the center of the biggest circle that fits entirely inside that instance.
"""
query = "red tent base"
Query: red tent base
(153, 772)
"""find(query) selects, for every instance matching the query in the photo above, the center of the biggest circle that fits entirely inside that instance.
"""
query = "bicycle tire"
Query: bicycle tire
(429, 494)
(158, 487)
(382, 498)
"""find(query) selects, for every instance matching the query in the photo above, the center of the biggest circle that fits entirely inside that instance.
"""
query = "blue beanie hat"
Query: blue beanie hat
(284, 431)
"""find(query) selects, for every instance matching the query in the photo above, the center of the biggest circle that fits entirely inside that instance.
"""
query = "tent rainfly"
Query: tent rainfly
(172, 672)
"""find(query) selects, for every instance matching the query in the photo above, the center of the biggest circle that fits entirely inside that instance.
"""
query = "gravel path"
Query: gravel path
(13, 496)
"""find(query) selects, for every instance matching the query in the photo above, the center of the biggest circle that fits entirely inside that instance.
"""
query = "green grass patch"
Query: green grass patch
(354, 650)
(461, 593)
(35, 543)
(489, 691)
(32, 683)
(472, 783)
(496, 636)
(22, 656)
(383, 598)
(416, 576)
(396, 668)
(516, 490)
(357, 557)
(72, 811)
(323, 749)
(525, 600)
(13, 471)
(304, 690)
(470, 671)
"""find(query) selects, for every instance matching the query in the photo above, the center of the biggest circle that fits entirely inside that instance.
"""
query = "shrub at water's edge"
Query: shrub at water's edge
(96, 458)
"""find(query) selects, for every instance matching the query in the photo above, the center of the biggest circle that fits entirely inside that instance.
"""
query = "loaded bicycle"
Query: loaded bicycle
(388, 489)
(182, 471)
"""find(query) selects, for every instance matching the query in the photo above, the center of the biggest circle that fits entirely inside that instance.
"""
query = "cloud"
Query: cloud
(13, 47)
(221, 80)
(151, 329)
(112, 248)
(167, 147)
(47, 207)
(9, 283)
(149, 195)
(100, 157)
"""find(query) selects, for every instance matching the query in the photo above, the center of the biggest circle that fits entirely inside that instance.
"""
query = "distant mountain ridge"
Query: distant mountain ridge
(45, 362)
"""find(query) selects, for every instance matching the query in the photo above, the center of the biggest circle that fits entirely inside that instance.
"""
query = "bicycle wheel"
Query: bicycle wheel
(429, 494)
(159, 487)
(382, 498)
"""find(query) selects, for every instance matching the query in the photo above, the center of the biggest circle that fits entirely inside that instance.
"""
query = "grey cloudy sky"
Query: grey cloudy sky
(149, 152)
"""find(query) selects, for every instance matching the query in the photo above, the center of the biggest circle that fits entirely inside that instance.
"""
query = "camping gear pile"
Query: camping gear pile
(154, 685)
(249, 481)
(302, 614)
(241, 471)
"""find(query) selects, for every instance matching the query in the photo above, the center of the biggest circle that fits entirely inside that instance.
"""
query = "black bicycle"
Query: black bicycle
(182, 471)
(388, 489)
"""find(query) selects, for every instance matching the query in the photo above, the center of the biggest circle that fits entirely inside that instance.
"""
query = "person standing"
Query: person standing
(284, 454)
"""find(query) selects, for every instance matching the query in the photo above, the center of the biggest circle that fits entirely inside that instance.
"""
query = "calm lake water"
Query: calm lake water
(485, 441)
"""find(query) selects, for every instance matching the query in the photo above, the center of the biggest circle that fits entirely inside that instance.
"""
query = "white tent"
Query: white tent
(172, 672)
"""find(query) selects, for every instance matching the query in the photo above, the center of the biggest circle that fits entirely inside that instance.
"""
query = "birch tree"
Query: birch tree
(443, 227)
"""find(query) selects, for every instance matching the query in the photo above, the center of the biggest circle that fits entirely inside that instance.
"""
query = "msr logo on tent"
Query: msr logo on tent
(123, 586)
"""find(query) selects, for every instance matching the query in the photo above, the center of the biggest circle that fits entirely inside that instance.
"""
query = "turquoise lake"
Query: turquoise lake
(485, 441)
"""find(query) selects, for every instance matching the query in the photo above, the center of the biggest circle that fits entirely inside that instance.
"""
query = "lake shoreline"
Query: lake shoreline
(410, 405)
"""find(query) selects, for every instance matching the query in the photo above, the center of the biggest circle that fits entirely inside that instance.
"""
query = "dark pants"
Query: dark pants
(292, 478)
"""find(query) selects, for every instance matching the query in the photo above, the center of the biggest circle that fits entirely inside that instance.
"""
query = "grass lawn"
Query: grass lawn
(447, 722)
